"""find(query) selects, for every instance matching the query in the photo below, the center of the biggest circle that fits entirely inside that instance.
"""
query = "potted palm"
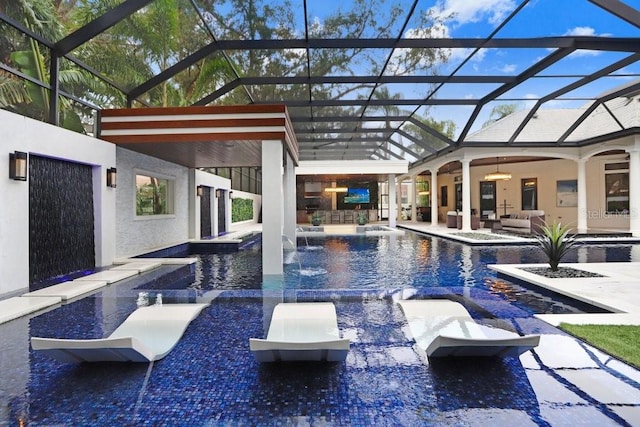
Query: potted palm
(362, 218)
(316, 219)
(555, 241)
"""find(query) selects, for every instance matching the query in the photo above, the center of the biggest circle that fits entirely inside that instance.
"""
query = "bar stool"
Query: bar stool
(348, 217)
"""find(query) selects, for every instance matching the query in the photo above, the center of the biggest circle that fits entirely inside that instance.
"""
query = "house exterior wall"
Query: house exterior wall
(139, 234)
(21, 133)
(547, 173)
(214, 182)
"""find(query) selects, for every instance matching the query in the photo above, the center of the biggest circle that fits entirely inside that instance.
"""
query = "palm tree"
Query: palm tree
(31, 59)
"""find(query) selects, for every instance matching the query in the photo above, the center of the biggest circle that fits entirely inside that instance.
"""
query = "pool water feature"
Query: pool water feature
(212, 379)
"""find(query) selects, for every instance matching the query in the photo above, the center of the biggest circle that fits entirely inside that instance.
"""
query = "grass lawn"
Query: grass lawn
(619, 341)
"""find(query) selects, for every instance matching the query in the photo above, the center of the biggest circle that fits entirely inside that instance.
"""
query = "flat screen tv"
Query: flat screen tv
(357, 195)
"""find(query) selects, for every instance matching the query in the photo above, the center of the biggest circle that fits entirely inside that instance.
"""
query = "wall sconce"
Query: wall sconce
(111, 177)
(219, 193)
(230, 194)
(18, 166)
(199, 190)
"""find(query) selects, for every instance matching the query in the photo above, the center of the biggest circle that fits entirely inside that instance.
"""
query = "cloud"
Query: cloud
(585, 32)
(461, 12)
(581, 31)
(508, 68)
(466, 11)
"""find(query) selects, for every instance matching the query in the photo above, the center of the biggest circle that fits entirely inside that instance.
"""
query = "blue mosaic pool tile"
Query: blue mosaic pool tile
(211, 377)
(170, 252)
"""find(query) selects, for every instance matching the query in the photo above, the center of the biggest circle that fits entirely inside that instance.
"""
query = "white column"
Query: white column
(634, 190)
(272, 208)
(392, 200)
(414, 198)
(433, 191)
(466, 195)
(227, 209)
(194, 206)
(582, 196)
(398, 199)
(290, 200)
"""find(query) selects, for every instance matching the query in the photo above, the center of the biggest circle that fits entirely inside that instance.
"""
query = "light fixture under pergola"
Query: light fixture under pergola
(497, 175)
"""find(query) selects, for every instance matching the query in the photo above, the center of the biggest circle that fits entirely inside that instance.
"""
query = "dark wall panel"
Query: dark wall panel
(205, 213)
(61, 227)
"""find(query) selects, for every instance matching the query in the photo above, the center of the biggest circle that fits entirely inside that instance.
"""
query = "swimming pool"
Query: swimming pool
(392, 263)
(211, 379)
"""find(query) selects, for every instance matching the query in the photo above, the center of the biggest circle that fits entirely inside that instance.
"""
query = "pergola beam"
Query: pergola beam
(628, 44)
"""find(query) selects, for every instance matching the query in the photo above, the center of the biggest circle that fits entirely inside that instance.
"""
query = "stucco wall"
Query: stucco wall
(136, 235)
(547, 173)
(19, 133)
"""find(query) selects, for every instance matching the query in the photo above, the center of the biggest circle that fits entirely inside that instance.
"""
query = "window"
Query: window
(487, 199)
(616, 181)
(154, 196)
(529, 194)
(423, 193)
(444, 196)
(247, 179)
(458, 189)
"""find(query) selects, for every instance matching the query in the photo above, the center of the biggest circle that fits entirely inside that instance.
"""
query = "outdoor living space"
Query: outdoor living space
(297, 213)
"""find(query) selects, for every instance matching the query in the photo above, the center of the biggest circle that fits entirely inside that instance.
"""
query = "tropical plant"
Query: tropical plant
(362, 218)
(241, 209)
(12, 92)
(555, 240)
(32, 59)
(316, 218)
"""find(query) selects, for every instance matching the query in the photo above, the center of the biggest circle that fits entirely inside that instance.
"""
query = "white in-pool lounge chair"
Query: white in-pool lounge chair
(148, 334)
(444, 328)
(302, 332)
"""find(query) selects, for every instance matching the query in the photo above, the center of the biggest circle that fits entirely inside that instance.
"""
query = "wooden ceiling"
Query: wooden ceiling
(200, 137)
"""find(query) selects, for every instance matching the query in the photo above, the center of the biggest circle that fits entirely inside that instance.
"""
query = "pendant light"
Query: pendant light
(497, 175)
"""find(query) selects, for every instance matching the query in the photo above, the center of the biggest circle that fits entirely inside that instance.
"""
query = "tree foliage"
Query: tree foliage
(501, 111)
(167, 31)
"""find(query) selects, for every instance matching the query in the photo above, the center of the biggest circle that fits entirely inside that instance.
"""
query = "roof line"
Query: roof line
(595, 105)
(534, 69)
(588, 79)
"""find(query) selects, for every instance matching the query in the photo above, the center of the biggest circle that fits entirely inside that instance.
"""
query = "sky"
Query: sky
(538, 18)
